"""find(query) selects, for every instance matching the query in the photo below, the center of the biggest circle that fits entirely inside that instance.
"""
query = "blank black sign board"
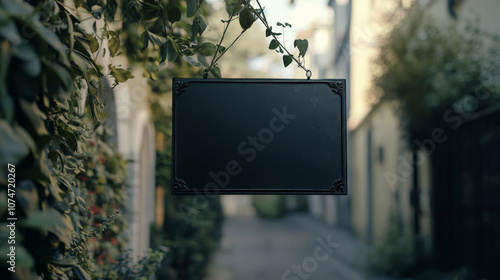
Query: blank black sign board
(259, 136)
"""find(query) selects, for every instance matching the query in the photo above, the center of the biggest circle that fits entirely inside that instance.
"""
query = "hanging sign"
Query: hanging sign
(258, 136)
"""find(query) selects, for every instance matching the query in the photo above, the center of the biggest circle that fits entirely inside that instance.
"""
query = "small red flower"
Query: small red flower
(82, 178)
(102, 160)
(92, 143)
(96, 209)
(113, 241)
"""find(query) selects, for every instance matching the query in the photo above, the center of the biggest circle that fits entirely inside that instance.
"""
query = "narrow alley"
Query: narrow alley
(297, 246)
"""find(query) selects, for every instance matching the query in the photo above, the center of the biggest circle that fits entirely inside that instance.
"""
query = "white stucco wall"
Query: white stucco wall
(136, 141)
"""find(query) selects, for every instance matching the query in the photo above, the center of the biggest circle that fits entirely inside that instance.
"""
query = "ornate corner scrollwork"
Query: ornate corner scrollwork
(338, 186)
(180, 87)
(337, 87)
(179, 185)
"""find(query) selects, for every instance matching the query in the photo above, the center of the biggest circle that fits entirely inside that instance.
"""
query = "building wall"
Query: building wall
(376, 143)
(136, 142)
(388, 186)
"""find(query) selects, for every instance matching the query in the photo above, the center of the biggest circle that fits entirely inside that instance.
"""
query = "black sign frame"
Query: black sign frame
(185, 181)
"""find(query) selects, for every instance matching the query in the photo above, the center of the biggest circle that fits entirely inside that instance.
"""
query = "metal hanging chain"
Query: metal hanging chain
(215, 58)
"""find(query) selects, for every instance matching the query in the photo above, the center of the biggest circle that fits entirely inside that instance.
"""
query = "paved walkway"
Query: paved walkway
(295, 247)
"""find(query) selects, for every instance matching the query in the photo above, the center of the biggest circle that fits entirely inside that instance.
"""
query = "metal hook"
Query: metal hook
(205, 73)
(308, 74)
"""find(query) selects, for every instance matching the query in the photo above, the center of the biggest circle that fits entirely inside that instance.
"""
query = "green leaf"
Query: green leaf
(9, 31)
(55, 72)
(69, 139)
(30, 60)
(192, 7)
(26, 138)
(113, 43)
(6, 102)
(27, 196)
(273, 44)
(216, 72)
(65, 184)
(81, 61)
(187, 52)
(70, 201)
(79, 3)
(173, 50)
(301, 45)
(246, 18)
(81, 203)
(195, 29)
(232, 6)
(110, 10)
(287, 59)
(71, 32)
(131, 10)
(3, 196)
(17, 149)
(158, 40)
(174, 14)
(193, 61)
(269, 31)
(23, 257)
(151, 9)
(279, 24)
(65, 262)
(80, 274)
(43, 220)
(93, 44)
(120, 75)
(35, 116)
(207, 49)
(95, 107)
(198, 27)
(54, 190)
(54, 155)
(202, 23)
(17, 8)
(169, 50)
(144, 40)
(47, 35)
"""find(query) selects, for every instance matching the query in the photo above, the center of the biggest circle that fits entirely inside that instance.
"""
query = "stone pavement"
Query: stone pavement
(295, 247)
